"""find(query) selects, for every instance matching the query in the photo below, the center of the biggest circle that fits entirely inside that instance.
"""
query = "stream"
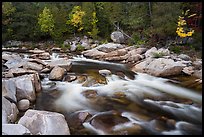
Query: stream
(107, 98)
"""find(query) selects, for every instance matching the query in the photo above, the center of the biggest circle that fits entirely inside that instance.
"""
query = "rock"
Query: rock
(184, 57)
(44, 123)
(15, 63)
(69, 78)
(44, 56)
(159, 67)
(9, 89)
(20, 71)
(164, 52)
(104, 72)
(6, 56)
(63, 63)
(73, 46)
(55, 49)
(13, 43)
(188, 70)
(36, 51)
(94, 53)
(14, 129)
(57, 73)
(198, 73)
(117, 37)
(197, 64)
(109, 47)
(76, 119)
(25, 87)
(23, 104)
(9, 111)
(45, 70)
(106, 121)
(134, 58)
(33, 66)
(85, 42)
(149, 53)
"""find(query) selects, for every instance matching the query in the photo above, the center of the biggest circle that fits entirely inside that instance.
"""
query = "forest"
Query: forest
(150, 23)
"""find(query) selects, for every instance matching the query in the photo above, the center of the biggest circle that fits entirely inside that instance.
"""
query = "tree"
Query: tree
(93, 33)
(75, 18)
(46, 21)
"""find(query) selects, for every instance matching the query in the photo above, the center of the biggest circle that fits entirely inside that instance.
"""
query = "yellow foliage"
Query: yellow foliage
(182, 29)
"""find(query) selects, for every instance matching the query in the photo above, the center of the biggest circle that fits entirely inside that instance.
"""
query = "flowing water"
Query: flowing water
(121, 102)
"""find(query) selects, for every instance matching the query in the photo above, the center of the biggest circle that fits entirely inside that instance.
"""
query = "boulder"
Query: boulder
(14, 129)
(7, 56)
(36, 51)
(20, 71)
(9, 111)
(184, 57)
(23, 104)
(15, 63)
(9, 89)
(109, 47)
(44, 123)
(94, 53)
(57, 73)
(33, 66)
(159, 67)
(117, 37)
(188, 70)
(25, 87)
(63, 63)
(151, 52)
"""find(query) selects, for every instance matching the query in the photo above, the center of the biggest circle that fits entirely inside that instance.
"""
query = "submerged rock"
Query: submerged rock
(45, 123)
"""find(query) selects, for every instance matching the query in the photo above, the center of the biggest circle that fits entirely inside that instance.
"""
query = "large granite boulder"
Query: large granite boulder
(14, 129)
(9, 89)
(159, 67)
(57, 73)
(9, 111)
(44, 123)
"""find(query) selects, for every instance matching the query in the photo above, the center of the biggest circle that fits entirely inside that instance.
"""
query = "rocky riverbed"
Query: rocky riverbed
(107, 89)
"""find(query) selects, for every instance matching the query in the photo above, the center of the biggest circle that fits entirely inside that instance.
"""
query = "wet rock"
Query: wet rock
(14, 129)
(45, 123)
(117, 37)
(57, 73)
(90, 94)
(76, 119)
(33, 66)
(184, 57)
(63, 63)
(23, 104)
(9, 111)
(159, 67)
(9, 89)
(69, 78)
(106, 121)
(104, 72)
(45, 70)
(189, 128)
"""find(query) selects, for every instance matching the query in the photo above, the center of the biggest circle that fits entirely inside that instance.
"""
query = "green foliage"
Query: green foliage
(80, 48)
(94, 30)
(158, 54)
(46, 21)
(176, 49)
(8, 8)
